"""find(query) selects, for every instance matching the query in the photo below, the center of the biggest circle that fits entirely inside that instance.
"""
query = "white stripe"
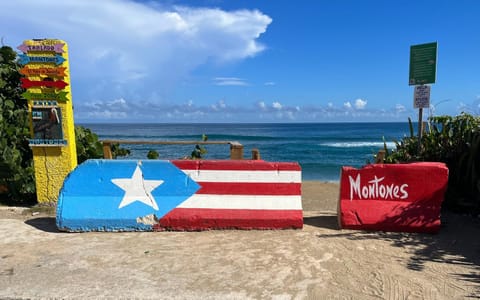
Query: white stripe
(245, 176)
(242, 202)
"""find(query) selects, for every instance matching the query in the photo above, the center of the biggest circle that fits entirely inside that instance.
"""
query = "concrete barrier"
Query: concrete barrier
(128, 195)
(393, 197)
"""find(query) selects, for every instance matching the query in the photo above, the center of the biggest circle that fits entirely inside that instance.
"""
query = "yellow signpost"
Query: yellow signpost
(47, 82)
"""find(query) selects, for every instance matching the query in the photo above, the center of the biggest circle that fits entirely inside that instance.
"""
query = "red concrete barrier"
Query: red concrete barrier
(393, 197)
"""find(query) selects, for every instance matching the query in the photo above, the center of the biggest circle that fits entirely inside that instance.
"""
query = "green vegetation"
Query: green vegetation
(152, 154)
(454, 141)
(90, 147)
(16, 165)
(199, 151)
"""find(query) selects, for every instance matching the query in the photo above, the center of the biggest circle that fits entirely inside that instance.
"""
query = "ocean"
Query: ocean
(320, 148)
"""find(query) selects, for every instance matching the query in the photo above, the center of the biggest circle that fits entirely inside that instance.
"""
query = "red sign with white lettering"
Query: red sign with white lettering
(393, 197)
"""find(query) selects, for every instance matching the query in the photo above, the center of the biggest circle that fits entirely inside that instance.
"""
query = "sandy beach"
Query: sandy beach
(318, 262)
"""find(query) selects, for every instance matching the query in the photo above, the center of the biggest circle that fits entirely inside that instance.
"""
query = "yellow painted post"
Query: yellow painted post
(47, 83)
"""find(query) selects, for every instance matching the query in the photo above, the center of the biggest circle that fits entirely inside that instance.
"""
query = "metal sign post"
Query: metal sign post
(421, 100)
(423, 67)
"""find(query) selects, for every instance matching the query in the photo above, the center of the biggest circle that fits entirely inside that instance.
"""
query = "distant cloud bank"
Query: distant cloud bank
(121, 110)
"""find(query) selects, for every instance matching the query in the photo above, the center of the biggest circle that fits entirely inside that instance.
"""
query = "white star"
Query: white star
(137, 189)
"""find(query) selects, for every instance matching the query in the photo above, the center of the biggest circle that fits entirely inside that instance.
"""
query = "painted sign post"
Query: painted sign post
(47, 84)
(423, 70)
(393, 197)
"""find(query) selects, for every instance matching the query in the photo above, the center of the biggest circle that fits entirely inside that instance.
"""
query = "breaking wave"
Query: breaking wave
(390, 145)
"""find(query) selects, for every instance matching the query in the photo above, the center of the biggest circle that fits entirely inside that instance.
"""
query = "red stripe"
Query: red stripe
(238, 188)
(236, 165)
(205, 219)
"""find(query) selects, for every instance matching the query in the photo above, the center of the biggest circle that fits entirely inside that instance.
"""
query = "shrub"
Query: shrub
(152, 154)
(199, 151)
(16, 165)
(454, 141)
(89, 146)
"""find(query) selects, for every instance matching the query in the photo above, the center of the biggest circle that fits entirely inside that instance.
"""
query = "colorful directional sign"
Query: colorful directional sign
(60, 96)
(58, 84)
(57, 48)
(128, 195)
(25, 59)
(47, 71)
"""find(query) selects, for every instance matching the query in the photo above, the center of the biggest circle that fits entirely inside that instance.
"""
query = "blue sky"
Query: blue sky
(255, 61)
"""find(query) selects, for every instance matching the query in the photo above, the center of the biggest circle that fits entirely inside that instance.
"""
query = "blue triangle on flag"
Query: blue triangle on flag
(121, 195)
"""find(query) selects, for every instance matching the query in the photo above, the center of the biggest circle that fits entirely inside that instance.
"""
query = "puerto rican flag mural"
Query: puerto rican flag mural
(128, 195)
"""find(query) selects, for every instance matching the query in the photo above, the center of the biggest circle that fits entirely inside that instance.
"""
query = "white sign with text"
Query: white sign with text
(421, 96)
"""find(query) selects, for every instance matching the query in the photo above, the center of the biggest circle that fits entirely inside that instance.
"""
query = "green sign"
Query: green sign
(423, 64)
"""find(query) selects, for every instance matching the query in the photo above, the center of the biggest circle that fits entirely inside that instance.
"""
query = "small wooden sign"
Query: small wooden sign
(60, 96)
(57, 48)
(53, 71)
(58, 84)
(26, 59)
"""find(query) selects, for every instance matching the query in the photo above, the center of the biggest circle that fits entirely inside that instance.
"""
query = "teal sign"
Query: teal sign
(423, 64)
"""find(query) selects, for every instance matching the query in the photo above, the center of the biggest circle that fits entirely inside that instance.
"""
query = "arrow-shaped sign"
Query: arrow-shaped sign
(25, 59)
(61, 96)
(57, 48)
(27, 83)
(48, 71)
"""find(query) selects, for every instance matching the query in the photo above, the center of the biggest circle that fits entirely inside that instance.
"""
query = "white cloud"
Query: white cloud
(130, 110)
(277, 105)
(269, 83)
(117, 103)
(229, 81)
(143, 46)
(220, 105)
(399, 108)
(347, 105)
(107, 114)
(360, 104)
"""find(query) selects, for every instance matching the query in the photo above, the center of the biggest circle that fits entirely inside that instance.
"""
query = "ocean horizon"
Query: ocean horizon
(320, 148)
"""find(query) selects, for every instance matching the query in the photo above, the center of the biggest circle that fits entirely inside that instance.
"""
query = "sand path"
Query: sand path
(318, 262)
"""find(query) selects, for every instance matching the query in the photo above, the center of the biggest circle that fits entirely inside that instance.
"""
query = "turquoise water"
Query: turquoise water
(320, 148)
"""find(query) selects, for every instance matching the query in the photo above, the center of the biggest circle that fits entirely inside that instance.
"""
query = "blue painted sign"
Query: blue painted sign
(25, 59)
(126, 195)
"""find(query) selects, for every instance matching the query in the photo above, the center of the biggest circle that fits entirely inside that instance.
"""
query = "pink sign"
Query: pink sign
(57, 48)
